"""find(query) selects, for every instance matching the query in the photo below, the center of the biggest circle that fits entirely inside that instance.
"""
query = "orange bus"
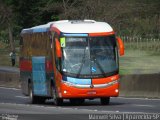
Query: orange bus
(70, 59)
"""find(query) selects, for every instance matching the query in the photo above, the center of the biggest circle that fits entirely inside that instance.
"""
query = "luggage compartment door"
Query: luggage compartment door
(39, 76)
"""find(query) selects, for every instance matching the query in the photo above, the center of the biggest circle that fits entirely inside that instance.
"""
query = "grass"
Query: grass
(135, 61)
(139, 62)
(5, 59)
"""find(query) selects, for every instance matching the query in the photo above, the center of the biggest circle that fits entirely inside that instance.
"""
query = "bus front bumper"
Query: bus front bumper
(110, 89)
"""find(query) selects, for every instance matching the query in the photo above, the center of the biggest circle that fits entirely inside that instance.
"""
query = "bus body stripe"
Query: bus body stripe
(101, 34)
(26, 65)
(75, 34)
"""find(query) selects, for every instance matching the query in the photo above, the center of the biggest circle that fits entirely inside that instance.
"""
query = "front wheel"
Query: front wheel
(35, 99)
(57, 101)
(105, 101)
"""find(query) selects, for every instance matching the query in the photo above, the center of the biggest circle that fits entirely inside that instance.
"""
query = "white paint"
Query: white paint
(83, 27)
(140, 105)
(71, 26)
(9, 88)
(138, 98)
(24, 97)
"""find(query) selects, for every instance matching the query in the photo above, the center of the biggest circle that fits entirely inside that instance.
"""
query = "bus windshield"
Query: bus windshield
(90, 57)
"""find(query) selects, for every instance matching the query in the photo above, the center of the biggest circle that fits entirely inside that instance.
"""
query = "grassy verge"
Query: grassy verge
(10, 79)
(135, 61)
(139, 62)
(5, 59)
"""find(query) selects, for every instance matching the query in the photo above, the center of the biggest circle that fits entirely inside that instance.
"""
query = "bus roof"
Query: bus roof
(72, 26)
(40, 28)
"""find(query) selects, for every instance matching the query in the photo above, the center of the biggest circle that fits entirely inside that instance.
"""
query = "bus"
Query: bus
(70, 59)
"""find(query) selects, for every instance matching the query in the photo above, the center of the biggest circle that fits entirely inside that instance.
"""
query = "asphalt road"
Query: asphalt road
(9, 69)
(15, 105)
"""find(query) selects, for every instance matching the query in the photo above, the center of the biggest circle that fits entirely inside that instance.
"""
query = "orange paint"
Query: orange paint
(121, 46)
(101, 34)
(58, 48)
(73, 92)
(104, 80)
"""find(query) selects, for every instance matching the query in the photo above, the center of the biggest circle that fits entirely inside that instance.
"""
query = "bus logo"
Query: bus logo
(93, 69)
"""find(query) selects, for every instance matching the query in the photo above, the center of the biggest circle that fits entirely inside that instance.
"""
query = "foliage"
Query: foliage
(6, 17)
(128, 17)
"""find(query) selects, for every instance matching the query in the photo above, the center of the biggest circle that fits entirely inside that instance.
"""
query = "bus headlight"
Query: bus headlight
(116, 90)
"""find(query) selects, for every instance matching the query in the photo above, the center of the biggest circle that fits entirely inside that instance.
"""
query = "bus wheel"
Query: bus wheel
(105, 101)
(57, 101)
(33, 98)
(81, 101)
(40, 100)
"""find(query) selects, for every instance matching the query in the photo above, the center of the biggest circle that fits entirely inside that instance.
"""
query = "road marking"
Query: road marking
(9, 88)
(143, 105)
(53, 107)
(85, 110)
(138, 98)
(24, 97)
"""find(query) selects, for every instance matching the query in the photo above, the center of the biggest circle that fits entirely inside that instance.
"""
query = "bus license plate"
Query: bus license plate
(91, 92)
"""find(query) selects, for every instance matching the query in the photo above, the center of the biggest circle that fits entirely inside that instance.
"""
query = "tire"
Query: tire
(57, 101)
(41, 100)
(105, 101)
(81, 101)
(35, 99)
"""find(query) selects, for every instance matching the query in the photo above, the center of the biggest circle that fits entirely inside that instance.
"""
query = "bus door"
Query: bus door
(39, 76)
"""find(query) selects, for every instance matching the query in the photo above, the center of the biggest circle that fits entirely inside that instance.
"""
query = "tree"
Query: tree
(26, 12)
(6, 21)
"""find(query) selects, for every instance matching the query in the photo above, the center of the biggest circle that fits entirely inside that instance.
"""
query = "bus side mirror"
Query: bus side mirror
(120, 46)
(58, 49)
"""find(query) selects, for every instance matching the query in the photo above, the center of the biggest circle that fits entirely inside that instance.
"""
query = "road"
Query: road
(13, 104)
(9, 69)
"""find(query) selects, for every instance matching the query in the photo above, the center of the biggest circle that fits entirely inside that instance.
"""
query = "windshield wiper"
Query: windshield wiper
(82, 63)
(95, 60)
